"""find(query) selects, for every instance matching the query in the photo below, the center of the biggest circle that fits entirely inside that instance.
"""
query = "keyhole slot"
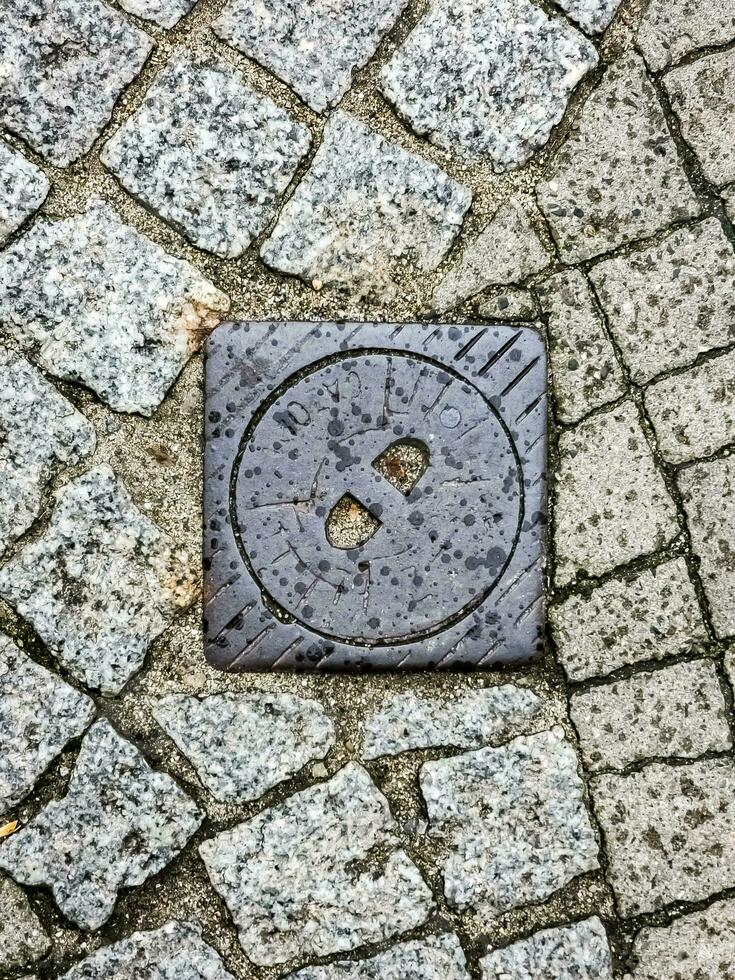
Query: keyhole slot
(403, 463)
(350, 524)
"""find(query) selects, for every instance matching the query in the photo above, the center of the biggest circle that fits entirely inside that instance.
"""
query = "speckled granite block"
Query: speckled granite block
(513, 821)
(584, 368)
(433, 958)
(508, 304)
(101, 583)
(708, 491)
(575, 952)
(119, 823)
(39, 715)
(507, 250)
(23, 940)
(612, 504)
(95, 301)
(63, 65)
(23, 189)
(208, 153)
(672, 28)
(243, 744)
(617, 176)
(318, 874)
(694, 413)
(364, 205)
(592, 16)
(678, 711)
(314, 47)
(649, 616)
(40, 432)
(487, 79)
(670, 302)
(703, 97)
(405, 722)
(698, 946)
(669, 831)
(165, 13)
(176, 951)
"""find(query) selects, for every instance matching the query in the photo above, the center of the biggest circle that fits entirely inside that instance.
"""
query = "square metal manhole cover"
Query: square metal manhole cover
(374, 495)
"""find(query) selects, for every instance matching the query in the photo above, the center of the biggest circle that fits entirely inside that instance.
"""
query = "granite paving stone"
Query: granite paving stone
(314, 47)
(698, 946)
(702, 95)
(405, 722)
(365, 204)
(40, 433)
(584, 369)
(506, 251)
(165, 13)
(669, 832)
(487, 80)
(318, 874)
(508, 304)
(671, 29)
(101, 583)
(39, 715)
(23, 940)
(119, 823)
(63, 65)
(23, 189)
(513, 820)
(243, 744)
(708, 492)
(672, 301)
(694, 413)
(208, 153)
(617, 177)
(176, 951)
(593, 16)
(95, 301)
(729, 197)
(433, 958)
(612, 505)
(649, 616)
(678, 711)
(575, 952)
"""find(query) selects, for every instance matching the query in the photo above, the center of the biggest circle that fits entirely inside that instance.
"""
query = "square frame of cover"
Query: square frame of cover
(374, 496)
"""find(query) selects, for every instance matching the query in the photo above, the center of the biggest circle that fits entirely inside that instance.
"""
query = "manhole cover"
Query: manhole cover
(374, 495)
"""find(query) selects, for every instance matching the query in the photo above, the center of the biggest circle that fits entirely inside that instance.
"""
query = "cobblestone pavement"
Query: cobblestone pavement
(167, 164)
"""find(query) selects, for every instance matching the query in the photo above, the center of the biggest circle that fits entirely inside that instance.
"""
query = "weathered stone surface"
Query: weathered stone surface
(94, 301)
(576, 952)
(119, 823)
(23, 189)
(39, 714)
(612, 503)
(475, 718)
(100, 584)
(23, 939)
(513, 820)
(64, 64)
(313, 47)
(699, 946)
(669, 831)
(584, 369)
(670, 302)
(703, 97)
(305, 879)
(208, 153)
(591, 15)
(507, 250)
(487, 79)
(651, 616)
(678, 711)
(694, 413)
(40, 431)
(708, 490)
(672, 28)
(433, 958)
(508, 304)
(166, 13)
(617, 177)
(365, 204)
(176, 951)
(243, 744)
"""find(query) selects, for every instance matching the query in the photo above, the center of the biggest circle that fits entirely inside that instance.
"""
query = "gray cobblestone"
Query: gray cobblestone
(672, 28)
(508, 304)
(23, 189)
(165, 13)
(592, 16)
(433, 958)
(576, 952)
(23, 940)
